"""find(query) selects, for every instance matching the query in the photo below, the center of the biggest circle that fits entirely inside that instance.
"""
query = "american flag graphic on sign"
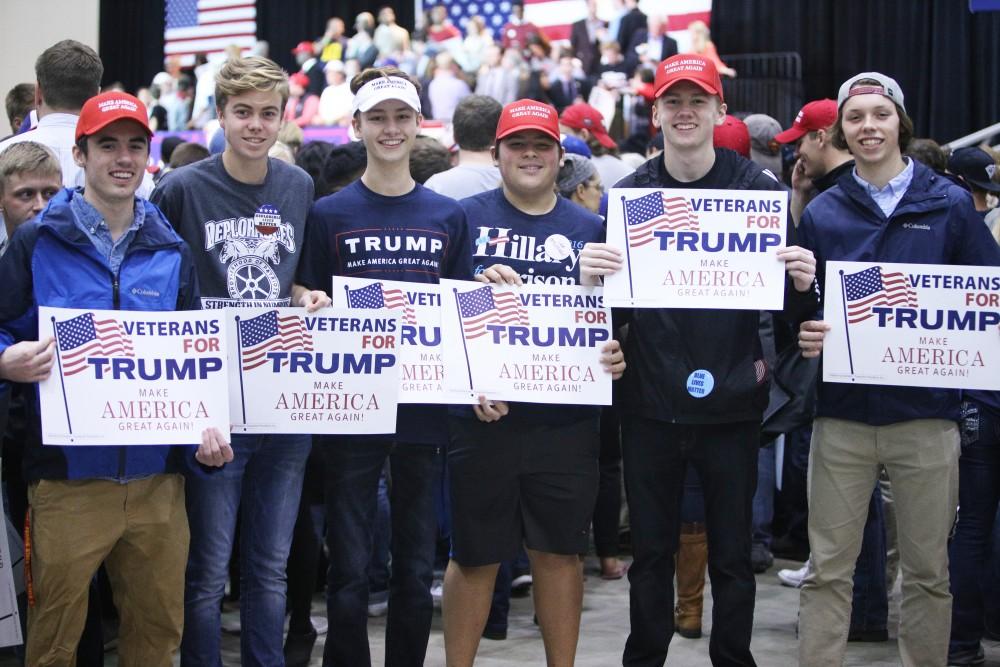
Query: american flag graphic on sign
(377, 296)
(484, 306)
(268, 332)
(83, 337)
(655, 211)
(208, 26)
(867, 289)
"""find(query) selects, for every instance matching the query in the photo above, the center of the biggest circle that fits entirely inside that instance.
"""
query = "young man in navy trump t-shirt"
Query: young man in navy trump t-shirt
(384, 226)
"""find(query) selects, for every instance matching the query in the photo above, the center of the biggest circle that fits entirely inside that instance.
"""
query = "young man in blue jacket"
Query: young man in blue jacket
(101, 248)
(665, 426)
(890, 209)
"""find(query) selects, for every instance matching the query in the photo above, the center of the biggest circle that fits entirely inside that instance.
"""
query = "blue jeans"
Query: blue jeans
(378, 568)
(263, 482)
(352, 473)
(870, 601)
(969, 551)
(763, 498)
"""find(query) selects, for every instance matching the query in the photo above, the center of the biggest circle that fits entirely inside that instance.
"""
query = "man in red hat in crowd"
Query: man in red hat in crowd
(524, 473)
(667, 424)
(585, 122)
(820, 163)
(121, 506)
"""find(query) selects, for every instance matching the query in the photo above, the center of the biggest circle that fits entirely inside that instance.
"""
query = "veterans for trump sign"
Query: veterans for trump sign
(534, 343)
(697, 248)
(915, 325)
(421, 369)
(333, 371)
(133, 378)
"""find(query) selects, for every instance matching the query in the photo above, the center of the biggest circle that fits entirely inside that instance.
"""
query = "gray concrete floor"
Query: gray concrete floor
(605, 627)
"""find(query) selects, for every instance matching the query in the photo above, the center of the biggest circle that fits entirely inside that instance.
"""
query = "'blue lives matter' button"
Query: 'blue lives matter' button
(700, 383)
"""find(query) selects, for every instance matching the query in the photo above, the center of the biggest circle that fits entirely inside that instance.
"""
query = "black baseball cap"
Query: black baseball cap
(976, 166)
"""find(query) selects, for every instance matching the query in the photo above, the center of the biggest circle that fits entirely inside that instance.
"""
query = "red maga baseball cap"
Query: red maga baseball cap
(528, 115)
(732, 134)
(101, 110)
(303, 47)
(687, 67)
(299, 78)
(817, 115)
(582, 116)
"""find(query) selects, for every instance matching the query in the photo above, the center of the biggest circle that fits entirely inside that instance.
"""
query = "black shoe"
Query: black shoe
(760, 558)
(298, 648)
(790, 549)
(868, 635)
(496, 635)
(967, 658)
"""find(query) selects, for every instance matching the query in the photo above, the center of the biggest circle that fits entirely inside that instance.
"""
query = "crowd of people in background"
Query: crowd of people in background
(411, 520)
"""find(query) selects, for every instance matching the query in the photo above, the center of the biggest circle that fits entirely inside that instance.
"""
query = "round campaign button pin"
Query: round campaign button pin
(700, 383)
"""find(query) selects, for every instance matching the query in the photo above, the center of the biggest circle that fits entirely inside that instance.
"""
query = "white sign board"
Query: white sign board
(535, 343)
(697, 248)
(912, 325)
(333, 371)
(421, 369)
(133, 378)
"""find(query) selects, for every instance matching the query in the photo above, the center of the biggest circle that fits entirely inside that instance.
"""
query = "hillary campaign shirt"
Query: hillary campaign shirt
(542, 249)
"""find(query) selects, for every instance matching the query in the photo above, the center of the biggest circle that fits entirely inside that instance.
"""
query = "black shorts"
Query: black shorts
(514, 484)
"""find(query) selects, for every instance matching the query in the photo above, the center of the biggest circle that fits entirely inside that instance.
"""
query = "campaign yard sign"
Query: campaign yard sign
(333, 371)
(133, 378)
(912, 325)
(690, 248)
(535, 343)
(421, 369)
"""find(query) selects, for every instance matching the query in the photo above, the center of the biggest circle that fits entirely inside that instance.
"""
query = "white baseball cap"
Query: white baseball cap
(386, 88)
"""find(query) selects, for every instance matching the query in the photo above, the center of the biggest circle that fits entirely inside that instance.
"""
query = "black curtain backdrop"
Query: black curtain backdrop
(131, 31)
(946, 59)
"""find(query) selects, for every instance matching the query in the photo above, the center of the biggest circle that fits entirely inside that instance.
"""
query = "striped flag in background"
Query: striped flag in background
(555, 17)
(208, 26)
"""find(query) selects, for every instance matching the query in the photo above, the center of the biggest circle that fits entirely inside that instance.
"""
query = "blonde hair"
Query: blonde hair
(242, 75)
(28, 157)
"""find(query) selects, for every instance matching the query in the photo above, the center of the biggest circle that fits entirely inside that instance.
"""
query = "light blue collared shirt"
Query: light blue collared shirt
(888, 197)
(90, 220)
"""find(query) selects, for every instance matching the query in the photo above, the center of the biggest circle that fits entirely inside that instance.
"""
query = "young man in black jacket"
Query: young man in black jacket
(664, 427)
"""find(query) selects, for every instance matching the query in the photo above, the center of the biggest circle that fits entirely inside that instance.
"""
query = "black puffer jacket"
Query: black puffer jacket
(666, 346)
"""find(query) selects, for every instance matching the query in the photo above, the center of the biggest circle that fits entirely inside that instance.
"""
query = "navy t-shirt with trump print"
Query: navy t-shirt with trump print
(418, 237)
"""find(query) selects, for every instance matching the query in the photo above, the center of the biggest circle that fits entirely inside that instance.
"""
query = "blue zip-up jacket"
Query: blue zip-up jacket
(934, 223)
(51, 262)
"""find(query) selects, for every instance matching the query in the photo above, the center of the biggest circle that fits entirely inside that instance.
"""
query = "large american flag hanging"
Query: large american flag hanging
(208, 26)
(555, 17)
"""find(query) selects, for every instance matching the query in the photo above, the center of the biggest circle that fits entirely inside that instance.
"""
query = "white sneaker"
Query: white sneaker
(794, 578)
(437, 592)
(378, 604)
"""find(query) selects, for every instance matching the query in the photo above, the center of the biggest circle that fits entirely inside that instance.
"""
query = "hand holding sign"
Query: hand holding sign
(598, 260)
(800, 265)
(28, 361)
(811, 335)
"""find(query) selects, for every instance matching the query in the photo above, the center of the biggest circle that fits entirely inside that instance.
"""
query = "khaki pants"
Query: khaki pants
(921, 458)
(140, 531)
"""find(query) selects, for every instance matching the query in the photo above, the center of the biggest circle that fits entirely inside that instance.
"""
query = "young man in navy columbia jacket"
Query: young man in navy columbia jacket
(888, 209)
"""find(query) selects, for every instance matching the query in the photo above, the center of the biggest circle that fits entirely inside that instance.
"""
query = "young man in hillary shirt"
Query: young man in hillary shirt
(384, 226)
(524, 473)
(666, 427)
(243, 214)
